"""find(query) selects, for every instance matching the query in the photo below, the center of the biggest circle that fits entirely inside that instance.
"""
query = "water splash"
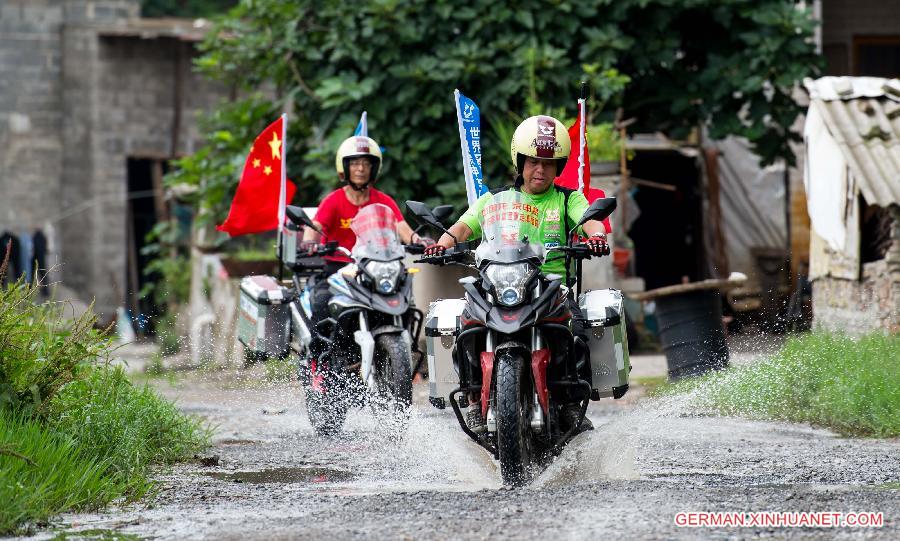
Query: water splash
(613, 450)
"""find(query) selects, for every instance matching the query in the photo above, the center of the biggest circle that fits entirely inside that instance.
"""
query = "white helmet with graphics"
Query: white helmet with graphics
(541, 137)
(358, 146)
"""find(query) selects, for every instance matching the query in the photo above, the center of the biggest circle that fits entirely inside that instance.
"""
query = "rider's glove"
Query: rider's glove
(597, 244)
(434, 250)
(421, 241)
(308, 248)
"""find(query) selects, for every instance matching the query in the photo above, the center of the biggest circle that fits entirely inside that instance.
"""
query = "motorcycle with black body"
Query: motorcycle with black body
(518, 362)
(362, 352)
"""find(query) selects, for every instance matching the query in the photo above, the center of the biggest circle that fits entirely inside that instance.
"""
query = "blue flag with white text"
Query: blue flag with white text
(363, 127)
(469, 118)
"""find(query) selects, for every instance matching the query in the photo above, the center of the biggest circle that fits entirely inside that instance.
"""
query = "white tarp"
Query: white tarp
(752, 201)
(825, 179)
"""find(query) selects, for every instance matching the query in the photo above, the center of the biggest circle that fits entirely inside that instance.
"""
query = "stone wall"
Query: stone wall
(871, 303)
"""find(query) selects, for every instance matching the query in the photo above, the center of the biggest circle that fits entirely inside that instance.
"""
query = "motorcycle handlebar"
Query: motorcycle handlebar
(450, 256)
(580, 251)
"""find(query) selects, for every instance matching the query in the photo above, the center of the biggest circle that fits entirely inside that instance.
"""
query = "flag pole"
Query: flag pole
(582, 110)
(282, 194)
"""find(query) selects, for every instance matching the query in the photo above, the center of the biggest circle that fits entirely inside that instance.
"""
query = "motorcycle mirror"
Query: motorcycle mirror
(600, 209)
(442, 212)
(422, 212)
(299, 217)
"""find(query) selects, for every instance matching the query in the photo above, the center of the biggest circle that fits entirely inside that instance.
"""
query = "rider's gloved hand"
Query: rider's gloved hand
(419, 240)
(597, 244)
(434, 250)
(308, 248)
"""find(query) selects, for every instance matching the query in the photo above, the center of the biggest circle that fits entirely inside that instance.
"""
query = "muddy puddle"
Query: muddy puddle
(309, 474)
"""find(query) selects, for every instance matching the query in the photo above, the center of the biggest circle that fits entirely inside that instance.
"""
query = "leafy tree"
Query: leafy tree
(728, 64)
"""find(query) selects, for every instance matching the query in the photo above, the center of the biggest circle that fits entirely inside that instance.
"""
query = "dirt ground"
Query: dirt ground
(646, 461)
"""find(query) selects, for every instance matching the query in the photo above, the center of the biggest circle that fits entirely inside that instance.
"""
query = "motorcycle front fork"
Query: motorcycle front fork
(538, 421)
(366, 342)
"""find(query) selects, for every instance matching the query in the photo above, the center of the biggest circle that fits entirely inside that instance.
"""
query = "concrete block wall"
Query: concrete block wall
(844, 19)
(30, 112)
(74, 106)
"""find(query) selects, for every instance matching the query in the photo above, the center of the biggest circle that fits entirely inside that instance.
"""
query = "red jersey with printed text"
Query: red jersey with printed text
(335, 213)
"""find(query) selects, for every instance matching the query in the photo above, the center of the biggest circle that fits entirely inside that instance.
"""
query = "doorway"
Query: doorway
(145, 207)
(667, 236)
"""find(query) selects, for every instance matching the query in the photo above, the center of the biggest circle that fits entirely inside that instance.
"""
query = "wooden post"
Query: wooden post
(720, 257)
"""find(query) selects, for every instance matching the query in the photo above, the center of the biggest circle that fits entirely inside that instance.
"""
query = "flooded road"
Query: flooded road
(268, 477)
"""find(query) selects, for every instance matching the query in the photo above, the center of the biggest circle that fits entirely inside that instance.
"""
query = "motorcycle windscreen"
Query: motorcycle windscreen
(375, 227)
(510, 229)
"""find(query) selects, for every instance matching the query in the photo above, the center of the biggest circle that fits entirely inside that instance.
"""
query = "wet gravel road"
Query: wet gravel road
(647, 460)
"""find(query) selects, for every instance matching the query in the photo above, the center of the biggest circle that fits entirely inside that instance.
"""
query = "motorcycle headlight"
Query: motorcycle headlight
(509, 281)
(384, 274)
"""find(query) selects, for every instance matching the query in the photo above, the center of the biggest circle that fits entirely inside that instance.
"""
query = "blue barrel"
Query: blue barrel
(691, 332)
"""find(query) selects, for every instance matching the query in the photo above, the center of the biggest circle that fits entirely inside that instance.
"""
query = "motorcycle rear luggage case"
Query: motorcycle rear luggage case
(441, 325)
(264, 318)
(604, 313)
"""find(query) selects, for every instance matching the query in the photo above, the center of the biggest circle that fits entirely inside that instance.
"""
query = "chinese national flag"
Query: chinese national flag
(255, 205)
(569, 176)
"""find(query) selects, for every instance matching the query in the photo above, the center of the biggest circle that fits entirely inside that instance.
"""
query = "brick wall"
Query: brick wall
(860, 306)
(125, 103)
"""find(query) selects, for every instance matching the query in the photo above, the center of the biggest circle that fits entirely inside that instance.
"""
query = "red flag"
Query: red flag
(569, 176)
(255, 207)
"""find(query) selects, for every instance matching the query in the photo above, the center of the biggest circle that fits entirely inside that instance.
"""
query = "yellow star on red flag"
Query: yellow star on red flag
(275, 144)
(257, 202)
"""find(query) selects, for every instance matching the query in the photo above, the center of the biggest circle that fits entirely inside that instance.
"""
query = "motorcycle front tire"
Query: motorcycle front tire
(326, 407)
(514, 400)
(398, 371)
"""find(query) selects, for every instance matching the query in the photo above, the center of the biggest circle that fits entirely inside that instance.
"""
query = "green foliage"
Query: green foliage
(849, 385)
(43, 473)
(74, 432)
(167, 334)
(185, 8)
(730, 64)
(604, 142)
(131, 426)
(40, 350)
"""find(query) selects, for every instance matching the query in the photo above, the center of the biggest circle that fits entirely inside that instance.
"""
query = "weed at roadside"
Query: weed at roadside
(43, 473)
(849, 385)
(132, 426)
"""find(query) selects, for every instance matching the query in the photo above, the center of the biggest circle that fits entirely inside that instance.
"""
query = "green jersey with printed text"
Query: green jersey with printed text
(552, 212)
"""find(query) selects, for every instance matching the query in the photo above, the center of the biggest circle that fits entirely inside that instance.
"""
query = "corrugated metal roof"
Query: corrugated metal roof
(863, 116)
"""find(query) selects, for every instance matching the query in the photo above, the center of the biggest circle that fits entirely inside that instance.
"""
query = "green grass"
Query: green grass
(849, 385)
(280, 370)
(43, 473)
(652, 384)
(75, 433)
(133, 427)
